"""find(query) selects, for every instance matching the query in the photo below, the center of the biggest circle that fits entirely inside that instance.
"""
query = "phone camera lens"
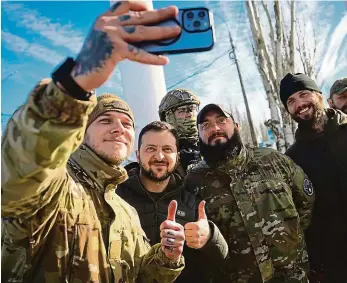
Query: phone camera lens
(190, 15)
(201, 14)
(197, 24)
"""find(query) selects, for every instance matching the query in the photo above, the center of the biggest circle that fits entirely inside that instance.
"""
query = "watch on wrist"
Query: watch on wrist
(63, 75)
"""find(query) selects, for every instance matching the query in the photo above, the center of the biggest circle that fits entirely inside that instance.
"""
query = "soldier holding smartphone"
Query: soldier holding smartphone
(62, 220)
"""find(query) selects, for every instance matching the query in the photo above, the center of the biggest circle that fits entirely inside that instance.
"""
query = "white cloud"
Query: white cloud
(20, 45)
(56, 33)
(331, 62)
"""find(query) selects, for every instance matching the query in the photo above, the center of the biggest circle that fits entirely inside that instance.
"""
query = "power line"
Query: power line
(201, 70)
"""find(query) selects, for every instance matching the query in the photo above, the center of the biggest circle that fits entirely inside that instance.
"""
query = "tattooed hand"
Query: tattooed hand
(109, 41)
(172, 234)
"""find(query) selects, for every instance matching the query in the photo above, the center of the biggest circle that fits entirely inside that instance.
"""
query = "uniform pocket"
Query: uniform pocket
(88, 261)
(279, 220)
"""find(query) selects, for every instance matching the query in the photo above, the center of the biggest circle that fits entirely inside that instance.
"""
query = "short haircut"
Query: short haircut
(158, 126)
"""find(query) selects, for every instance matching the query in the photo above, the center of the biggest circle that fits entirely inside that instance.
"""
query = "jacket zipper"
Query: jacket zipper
(156, 204)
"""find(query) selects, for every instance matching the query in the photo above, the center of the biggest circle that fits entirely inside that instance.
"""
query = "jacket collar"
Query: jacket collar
(237, 164)
(335, 120)
(97, 169)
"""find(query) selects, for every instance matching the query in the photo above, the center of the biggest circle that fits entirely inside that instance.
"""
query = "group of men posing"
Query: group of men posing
(198, 206)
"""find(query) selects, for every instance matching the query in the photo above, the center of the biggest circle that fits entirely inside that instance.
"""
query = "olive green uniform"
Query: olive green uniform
(62, 221)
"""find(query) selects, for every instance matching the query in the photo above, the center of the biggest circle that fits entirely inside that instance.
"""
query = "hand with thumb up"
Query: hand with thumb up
(172, 234)
(197, 233)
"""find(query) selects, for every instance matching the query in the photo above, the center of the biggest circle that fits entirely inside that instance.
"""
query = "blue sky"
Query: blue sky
(36, 36)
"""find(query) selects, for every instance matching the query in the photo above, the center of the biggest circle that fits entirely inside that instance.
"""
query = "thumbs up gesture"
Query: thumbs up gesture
(197, 233)
(172, 234)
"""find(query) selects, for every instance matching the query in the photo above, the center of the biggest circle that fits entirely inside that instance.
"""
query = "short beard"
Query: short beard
(317, 116)
(344, 109)
(216, 155)
(149, 174)
(115, 159)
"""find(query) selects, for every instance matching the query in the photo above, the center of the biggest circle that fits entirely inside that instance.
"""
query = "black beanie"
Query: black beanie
(293, 83)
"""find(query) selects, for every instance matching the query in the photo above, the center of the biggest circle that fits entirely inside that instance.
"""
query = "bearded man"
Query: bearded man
(259, 199)
(153, 184)
(320, 149)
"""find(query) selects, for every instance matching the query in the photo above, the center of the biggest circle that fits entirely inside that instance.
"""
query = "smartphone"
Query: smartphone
(197, 33)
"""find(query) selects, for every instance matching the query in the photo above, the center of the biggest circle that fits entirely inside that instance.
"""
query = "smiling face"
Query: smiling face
(305, 106)
(111, 136)
(157, 156)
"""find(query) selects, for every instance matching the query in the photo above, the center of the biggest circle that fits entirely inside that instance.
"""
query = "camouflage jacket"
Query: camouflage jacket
(261, 202)
(62, 220)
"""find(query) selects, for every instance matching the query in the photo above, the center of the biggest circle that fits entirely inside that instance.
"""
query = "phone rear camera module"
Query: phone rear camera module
(197, 24)
(201, 14)
(190, 15)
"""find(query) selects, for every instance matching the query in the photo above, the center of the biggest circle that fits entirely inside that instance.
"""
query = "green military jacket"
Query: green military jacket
(261, 202)
(62, 221)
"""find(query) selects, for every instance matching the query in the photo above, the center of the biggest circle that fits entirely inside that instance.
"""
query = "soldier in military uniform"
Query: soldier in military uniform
(62, 220)
(179, 108)
(338, 95)
(259, 199)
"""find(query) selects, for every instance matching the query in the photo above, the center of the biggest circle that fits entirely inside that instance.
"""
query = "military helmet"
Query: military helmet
(176, 98)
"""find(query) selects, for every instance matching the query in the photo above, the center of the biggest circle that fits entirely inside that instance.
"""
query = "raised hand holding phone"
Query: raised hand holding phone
(172, 234)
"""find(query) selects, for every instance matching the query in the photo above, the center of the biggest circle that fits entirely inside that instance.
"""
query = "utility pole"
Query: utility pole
(232, 56)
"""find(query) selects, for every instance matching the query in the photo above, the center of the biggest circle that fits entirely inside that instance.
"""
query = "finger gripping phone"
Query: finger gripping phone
(197, 33)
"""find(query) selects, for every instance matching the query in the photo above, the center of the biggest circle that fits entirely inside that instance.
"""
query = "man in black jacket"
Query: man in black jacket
(154, 184)
(320, 149)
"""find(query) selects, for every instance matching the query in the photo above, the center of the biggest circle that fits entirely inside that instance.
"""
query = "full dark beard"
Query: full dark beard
(149, 174)
(215, 155)
(317, 116)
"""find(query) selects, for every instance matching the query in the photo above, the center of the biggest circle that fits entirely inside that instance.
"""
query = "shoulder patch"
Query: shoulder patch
(308, 187)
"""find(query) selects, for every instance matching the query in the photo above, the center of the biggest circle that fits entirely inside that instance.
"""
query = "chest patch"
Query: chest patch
(181, 213)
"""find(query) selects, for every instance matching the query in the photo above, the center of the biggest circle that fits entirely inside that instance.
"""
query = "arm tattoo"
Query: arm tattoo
(95, 51)
(115, 6)
(129, 29)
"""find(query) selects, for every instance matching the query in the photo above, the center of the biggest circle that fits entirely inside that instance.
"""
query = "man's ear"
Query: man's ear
(330, 102)
(137, 155)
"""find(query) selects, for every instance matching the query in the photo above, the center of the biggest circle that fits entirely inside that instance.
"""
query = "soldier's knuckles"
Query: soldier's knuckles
(102, 21)
(139, 15)
(141, 31)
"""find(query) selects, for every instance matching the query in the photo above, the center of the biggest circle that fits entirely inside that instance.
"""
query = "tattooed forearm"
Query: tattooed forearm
(95, 51)
(115, 6)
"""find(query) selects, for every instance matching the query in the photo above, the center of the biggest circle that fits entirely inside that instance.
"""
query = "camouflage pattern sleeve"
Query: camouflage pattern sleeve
(36, 145)
(216, 248)
(303, 196)
(155, 266)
